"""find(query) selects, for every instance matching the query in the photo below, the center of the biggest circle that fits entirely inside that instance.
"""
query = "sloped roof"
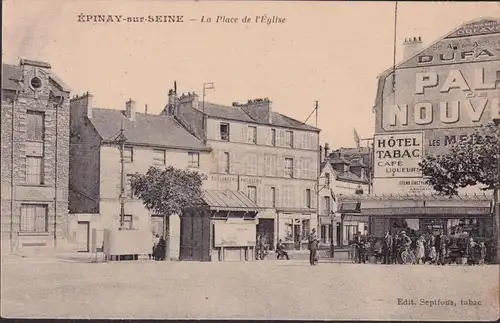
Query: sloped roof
(351, 177)
(237, 114)
(219, 200)
(150, 129)
(12, 74)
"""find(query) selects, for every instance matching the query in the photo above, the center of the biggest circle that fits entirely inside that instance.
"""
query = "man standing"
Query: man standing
(387, 247)
(313, 245)
(440, 244)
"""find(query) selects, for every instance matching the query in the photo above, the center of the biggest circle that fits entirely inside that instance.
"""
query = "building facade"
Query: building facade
(341, 176)
(436, 96)
(274, 159)
(95, 168)
(34, 161)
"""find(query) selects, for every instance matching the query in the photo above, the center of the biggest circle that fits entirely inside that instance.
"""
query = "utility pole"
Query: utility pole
(120, 141)
(316, 109)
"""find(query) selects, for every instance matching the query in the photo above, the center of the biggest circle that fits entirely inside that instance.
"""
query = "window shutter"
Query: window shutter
(313, 198)
(280, 166)
(261, 166)
(297, 139)
(297, 165)
(220, 158)
(244, 133)
(281, 135)
(216, 130)
(267, 165)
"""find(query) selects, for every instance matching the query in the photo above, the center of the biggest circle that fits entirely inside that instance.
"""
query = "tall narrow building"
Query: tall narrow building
(34, 161)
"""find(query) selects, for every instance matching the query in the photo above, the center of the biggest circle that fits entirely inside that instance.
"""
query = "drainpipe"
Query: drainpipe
(12, 187)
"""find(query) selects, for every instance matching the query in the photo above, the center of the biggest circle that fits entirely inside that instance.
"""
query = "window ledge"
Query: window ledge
(35, 185)
(33, 233)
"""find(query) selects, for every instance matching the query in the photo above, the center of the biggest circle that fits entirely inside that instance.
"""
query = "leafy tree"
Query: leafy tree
(168, 191)
(470, 162)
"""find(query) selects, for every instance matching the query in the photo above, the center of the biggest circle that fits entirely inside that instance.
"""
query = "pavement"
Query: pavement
(71, 286)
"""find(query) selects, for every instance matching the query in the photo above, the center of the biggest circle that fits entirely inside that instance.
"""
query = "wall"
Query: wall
(84, 156)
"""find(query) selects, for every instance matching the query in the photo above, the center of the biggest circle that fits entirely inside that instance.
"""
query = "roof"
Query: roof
(351, 177)
(228, 200)
(150, 129)
(453, 34)
(237, 114)
(12, 74)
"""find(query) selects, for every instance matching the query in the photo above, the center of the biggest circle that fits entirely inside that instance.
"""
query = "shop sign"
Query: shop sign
(430, 211)
(234, 179)
(235, 234)
(398, 155)
(482, 27)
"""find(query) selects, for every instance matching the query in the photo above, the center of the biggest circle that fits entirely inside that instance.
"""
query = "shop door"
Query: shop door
(265, 228)
(82, 236)
(296, 236)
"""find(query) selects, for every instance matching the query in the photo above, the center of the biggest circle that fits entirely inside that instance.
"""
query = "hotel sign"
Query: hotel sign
(397, 155)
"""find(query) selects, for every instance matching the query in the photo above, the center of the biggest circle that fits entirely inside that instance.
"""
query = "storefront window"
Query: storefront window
(467, 226)
(305, 229)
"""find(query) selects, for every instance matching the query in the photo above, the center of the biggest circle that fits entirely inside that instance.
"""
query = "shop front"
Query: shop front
(294, 227)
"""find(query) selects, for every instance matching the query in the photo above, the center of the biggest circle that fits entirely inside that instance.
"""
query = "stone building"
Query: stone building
(274, 159)
(34, 161)
(95, 167)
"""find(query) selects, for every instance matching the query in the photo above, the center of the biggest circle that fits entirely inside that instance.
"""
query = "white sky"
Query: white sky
(326, 51)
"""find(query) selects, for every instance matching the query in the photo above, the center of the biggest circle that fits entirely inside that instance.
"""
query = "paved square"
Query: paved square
(265, 289)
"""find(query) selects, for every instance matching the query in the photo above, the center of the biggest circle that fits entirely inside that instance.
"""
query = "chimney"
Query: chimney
(130, 110)
(327, 150)
(83, 102)
(258, 109)
(412, 46)
(190, 100)
(321, 157)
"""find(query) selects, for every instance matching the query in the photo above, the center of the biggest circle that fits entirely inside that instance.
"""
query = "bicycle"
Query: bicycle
(406, 256)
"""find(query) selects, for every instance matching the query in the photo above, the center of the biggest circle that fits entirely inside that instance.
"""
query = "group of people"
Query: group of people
(429, 248)
(159, 248)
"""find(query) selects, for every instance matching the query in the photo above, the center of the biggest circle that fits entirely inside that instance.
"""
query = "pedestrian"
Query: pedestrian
(440, 244)
(156, 239)
(395, 248)
(281, 251)
(160, 249)
(482, 247)
(387, 247)
(471, 245)
(432, 255)
(420, 250)
(313, 245)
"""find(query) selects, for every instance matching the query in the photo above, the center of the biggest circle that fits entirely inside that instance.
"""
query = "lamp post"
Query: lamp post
(120, 140)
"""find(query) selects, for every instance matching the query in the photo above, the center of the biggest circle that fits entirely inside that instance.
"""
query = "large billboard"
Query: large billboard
(445, 92)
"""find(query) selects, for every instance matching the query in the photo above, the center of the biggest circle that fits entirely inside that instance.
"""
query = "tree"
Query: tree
(470, 162)
(168, 191)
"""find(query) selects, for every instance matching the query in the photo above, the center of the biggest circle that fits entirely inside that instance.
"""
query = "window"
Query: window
(252, 134)
(273, 196)
(34, 218)
(327, 205)
(36, 83)
(35, 128)
(289, 167)
(128, 154)
(327, 179)
(128, 187)
(273, 137)
(289, 139)
(308, 198)
(252, 167)
(224, 131)
(226, 162)
(159, 157)
(34, 170)
(194, 160)
(252, 193)
(128, 222)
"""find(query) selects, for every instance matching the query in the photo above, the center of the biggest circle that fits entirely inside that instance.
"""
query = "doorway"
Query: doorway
(296, 237)
(82, 236)
(265, 228)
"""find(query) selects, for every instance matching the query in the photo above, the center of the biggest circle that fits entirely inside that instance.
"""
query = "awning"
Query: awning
(232, 201)
(349, 207)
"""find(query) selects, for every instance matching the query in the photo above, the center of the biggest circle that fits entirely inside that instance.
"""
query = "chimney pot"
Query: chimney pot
(130, 109)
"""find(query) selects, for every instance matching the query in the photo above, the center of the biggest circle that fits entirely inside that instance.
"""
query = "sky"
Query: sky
(330, 52)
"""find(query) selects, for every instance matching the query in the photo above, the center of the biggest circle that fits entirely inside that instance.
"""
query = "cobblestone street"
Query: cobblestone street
(68, 288)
